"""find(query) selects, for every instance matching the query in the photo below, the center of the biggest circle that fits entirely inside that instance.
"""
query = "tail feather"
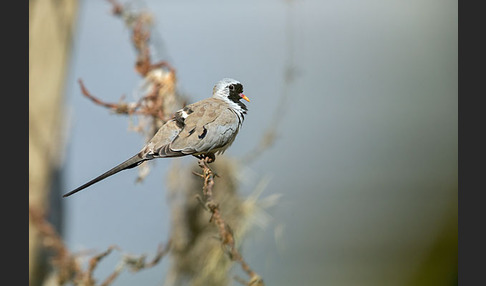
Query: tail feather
(130, 163)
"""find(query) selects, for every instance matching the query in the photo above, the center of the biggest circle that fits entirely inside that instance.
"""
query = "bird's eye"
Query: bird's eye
(231, 87)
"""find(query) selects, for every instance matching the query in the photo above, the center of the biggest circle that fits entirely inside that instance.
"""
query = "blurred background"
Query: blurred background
(359, 186)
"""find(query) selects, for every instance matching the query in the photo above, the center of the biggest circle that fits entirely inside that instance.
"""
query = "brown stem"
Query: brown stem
(225, 233)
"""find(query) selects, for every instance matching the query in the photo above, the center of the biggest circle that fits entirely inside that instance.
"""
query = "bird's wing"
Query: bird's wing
(200, 127)
(158, 145)
(209, 124)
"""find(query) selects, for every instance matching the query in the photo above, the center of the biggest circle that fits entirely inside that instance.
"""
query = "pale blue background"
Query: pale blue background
(366, 153)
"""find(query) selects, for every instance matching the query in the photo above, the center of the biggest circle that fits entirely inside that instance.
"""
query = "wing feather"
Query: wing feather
(211, 126)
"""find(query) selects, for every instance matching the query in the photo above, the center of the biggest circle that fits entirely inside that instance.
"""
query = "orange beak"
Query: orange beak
(244, 97)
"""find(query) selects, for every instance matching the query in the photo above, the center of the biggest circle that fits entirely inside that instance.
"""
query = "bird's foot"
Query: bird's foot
(205, 160)
(208, 158)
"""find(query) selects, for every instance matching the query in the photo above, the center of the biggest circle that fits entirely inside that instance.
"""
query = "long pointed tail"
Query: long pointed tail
(130, 163)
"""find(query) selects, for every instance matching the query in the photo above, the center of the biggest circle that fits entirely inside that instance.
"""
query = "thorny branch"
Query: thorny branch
(159, 99)
(122, 108)
(62, 259)
(160, 76)
(67, 264)
(225, 232)
(136, 264)
(291, 72)
(149, 105)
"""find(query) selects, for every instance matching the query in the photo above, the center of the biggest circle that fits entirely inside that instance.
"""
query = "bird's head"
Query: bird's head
(230, 90)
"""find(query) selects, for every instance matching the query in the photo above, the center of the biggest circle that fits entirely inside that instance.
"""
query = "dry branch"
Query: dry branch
(67, 266)
(225, 233)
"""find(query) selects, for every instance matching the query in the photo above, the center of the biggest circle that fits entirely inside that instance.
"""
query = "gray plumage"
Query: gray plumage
(201, 129)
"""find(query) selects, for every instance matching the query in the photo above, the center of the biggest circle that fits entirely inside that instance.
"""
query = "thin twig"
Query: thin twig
(121, 108)
(225, 234)
(67, 266)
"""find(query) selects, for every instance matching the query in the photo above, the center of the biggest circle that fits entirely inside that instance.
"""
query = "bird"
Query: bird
(202, 129)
